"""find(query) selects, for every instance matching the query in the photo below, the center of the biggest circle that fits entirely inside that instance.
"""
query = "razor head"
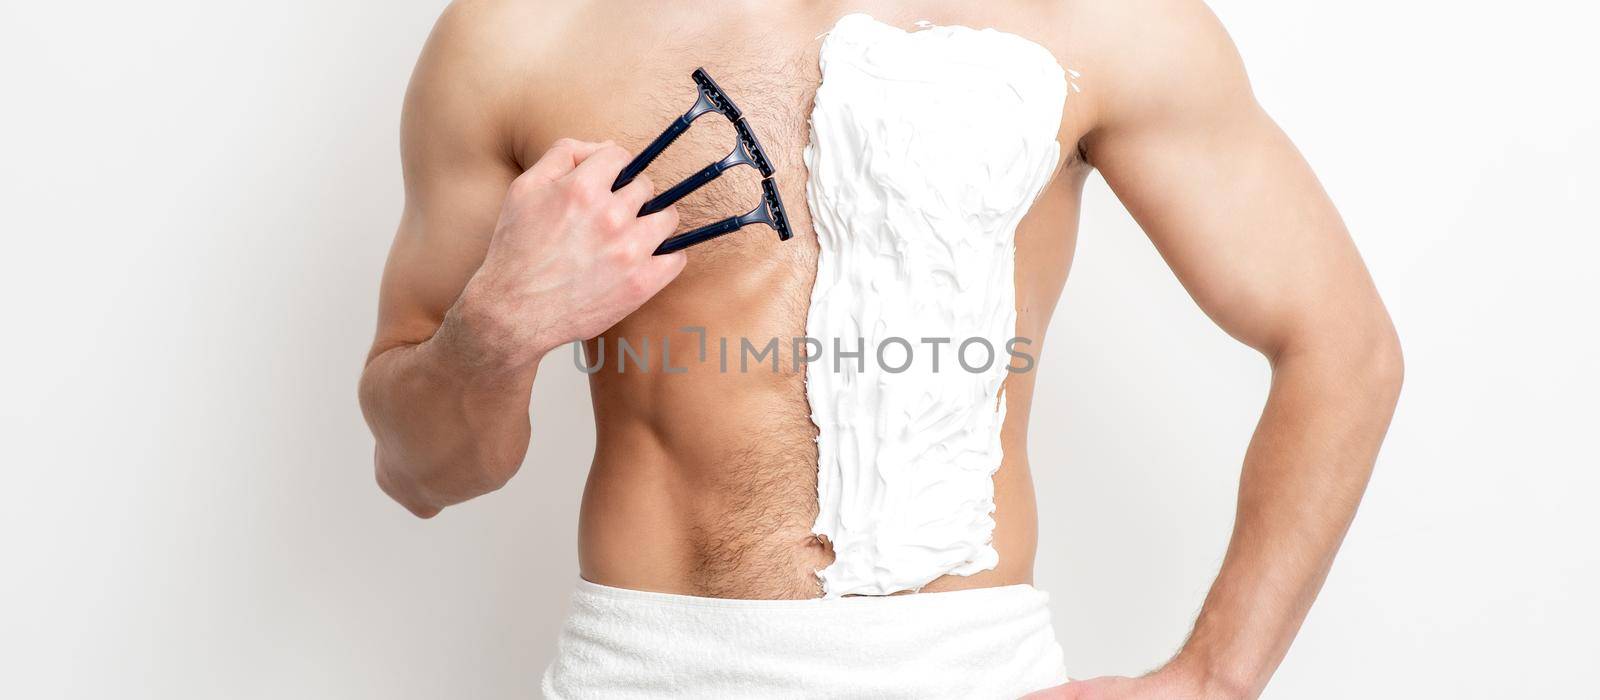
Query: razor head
(712, 94)
(752, 148)
(772, 207)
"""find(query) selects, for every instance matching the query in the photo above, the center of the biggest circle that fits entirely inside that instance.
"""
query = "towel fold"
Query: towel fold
(978, 643)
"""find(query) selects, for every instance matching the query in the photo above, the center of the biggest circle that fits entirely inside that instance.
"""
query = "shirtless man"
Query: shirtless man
(702, 496)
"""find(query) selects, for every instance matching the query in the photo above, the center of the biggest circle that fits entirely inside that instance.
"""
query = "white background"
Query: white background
(196, 199)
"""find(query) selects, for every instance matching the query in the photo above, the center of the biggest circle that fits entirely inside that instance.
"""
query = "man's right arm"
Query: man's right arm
(489, 270)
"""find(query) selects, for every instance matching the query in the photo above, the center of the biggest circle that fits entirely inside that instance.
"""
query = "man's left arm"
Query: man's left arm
(1239, 216)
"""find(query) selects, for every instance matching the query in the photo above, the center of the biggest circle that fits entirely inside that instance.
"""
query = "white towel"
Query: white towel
(979, 643)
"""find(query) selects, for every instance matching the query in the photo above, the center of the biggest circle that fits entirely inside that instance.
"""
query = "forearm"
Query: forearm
(1303, 476)
(450, 414)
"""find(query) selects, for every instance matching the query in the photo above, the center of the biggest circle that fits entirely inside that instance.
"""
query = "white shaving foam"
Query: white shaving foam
(926, 150)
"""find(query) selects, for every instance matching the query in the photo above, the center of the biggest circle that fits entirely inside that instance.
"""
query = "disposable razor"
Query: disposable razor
(746, 151)
(768, 211)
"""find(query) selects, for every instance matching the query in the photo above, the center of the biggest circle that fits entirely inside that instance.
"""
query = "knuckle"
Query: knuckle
(522, 185)
(583, 193)
(559, 153)
(619, 255)
(617, 218)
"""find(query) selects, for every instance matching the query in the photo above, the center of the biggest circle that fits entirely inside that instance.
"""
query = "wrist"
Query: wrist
(1194, 677)
(482, 336)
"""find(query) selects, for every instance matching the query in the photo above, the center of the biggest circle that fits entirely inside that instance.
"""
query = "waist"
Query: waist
(741, 530)
(720, 499)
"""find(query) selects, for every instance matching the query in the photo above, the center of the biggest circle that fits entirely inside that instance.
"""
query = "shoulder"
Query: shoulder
(1151, 59)
(482, 42)
(476, 71)
(500, 46)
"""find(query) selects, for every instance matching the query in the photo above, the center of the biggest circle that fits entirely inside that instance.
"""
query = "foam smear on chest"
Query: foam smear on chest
(926, 149)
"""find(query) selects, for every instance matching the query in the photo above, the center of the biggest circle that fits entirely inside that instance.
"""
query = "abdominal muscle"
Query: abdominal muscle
(704, 482)
(730, 515)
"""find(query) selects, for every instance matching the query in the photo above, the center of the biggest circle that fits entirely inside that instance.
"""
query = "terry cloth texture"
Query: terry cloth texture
(978, 643)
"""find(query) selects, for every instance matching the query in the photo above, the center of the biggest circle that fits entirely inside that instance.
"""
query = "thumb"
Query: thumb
(1060, 692)
(564, 155)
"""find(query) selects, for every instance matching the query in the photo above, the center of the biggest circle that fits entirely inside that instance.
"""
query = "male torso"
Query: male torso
(704, 481)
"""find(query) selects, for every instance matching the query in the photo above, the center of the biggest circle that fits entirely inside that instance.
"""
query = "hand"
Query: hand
(1108, 688)
(569, 257)
(1165, 684)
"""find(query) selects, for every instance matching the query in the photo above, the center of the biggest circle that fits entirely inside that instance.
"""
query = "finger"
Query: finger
(651, 231)
(657, 227)
(603, 165)
(633, 196)
(662, 269)
(560, 159)
(1060, 692)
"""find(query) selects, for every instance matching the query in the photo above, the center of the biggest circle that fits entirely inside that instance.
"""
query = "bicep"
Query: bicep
(1228, 200)
(456, 175)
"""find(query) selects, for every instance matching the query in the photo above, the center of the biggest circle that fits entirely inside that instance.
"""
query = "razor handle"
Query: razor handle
(642, 161)
(682, 189)
(699, 235)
